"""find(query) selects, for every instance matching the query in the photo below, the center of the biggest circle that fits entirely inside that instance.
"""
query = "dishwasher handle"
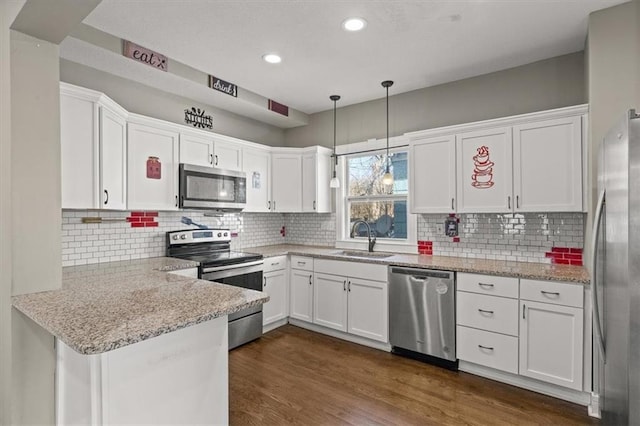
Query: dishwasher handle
(422, 274)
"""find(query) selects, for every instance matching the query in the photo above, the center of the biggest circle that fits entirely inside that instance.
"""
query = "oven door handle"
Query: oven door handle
(234, 266)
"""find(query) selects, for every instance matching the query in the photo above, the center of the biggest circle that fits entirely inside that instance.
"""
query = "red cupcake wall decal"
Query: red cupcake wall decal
(482, 177)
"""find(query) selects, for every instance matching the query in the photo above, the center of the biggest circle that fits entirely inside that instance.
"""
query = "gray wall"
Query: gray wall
(551, 83)
(145, 100)
(36, 222)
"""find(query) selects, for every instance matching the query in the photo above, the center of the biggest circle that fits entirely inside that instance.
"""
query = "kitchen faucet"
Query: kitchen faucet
(372, 242)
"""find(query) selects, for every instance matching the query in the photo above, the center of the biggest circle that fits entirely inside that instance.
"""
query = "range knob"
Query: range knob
(183, 237)
(219, 234)
(175, 237)
(226, 234)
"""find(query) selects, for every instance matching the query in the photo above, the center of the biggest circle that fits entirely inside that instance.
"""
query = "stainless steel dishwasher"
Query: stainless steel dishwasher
(422, 320)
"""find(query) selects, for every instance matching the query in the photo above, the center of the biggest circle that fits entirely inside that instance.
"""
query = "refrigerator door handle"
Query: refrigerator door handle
(594, 275)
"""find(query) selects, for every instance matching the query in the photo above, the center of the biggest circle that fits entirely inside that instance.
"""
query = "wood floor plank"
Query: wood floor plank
(295, 376)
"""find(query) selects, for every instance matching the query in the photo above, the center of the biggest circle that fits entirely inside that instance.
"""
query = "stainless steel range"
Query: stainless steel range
(211, 247)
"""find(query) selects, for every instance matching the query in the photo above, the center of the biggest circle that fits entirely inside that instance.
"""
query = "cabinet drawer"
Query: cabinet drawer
(489, 349)
(488, 284)
(275, 263)
(366, 271)
(489, 313)
(552, 292)
(302, 262)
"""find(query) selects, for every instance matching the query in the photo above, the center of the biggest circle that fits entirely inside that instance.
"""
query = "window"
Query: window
(384, 208)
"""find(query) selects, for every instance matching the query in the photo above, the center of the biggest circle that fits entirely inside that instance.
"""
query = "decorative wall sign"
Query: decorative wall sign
(482, 177)
(196, 117)
(154, 168)
(223, 86)
(146, 56)
(279, 108)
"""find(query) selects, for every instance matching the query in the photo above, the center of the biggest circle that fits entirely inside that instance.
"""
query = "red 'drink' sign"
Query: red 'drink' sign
(146, 56)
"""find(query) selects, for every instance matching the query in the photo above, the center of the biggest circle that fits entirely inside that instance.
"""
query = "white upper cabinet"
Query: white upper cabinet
(93, 150)
(484, 171)
(547, 161)
(286, 184)
(227, 155)
(152, 165)
(433, 174)
(113, 158)
(315, 181)
(196, 149)
(256, 164)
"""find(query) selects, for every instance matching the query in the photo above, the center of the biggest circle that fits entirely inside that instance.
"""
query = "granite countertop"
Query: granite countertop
(536, 271)
(102, 307)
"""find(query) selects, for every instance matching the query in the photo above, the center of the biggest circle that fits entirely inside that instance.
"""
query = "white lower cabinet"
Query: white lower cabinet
(301, 293)
(275, 285)
(356, 303)
(551, 340)
(528, 327)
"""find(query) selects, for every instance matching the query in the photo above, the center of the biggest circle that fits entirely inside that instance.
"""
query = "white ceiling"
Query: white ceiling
(415, 43)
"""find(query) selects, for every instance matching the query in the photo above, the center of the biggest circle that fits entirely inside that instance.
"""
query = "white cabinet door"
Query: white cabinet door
(79, 153)
(196, 149)
(547, 162)
(368, 309)
(152, 168)
(257, 165)
(484, 171)
(275, 285)
(551, 343)
(330, 301)
(286, 183)
(301, 300)
(433, 175)
(113, 160)
(227, 155)
(309, 183)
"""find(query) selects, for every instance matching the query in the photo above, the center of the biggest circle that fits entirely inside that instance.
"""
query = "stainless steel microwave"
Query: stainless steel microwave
(212, 189)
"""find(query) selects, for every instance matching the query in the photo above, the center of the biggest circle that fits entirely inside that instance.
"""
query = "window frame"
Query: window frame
(343, 201)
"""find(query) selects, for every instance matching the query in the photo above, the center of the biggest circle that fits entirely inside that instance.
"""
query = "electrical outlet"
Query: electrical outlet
(440, 229)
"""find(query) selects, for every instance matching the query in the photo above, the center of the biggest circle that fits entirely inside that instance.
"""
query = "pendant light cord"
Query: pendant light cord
(386, 84)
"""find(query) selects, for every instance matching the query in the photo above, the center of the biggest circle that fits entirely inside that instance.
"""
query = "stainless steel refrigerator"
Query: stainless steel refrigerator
(616, 273)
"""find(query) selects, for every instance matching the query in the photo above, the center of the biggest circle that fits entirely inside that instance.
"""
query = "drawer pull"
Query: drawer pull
(486, 348)
(275, 264)
(550, 293)
(482, 311)
(485, 285)
(302, 263)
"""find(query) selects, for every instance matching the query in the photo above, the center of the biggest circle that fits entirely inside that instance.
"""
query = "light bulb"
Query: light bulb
(387, 179)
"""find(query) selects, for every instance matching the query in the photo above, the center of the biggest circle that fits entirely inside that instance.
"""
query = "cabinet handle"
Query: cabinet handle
(349, 286)
(524, 308)
(301, 263)
(486, 285)
(509, 201)
(216, 157)
(482, 311)
(310, 279)
(550, 293)
(488, 348)
(264, 280)
(275, 264)
(176, 201)
(344, 285)
(211, 158)
(106, 193)
(517, 201)
(269, 205)
(452, 207)
(274, 205)
(314, 204)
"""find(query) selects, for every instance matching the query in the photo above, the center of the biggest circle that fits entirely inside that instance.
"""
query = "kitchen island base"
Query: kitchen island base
(175, 378)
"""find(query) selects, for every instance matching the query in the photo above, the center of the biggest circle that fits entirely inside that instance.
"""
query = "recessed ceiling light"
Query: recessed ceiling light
(272, 58)
(354, 24)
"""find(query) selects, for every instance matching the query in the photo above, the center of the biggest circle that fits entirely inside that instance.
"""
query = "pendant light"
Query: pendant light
(334, 183)
(387, 179)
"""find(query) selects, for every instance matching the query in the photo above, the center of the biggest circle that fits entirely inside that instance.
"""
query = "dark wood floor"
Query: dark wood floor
(294, 376)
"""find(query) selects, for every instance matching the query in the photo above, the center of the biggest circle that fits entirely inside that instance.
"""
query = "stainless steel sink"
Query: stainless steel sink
(363, 254)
